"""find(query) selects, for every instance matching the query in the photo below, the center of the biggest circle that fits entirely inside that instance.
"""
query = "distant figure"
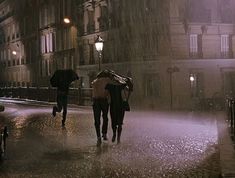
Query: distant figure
(62, 102)
(100, 105)
(117, 111)
(4, 135)
(62, 79)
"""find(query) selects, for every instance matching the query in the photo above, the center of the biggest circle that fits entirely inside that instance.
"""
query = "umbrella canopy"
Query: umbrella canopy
(63, 78)
(116, 77)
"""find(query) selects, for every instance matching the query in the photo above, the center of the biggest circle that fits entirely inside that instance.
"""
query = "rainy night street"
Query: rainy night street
(153, 144)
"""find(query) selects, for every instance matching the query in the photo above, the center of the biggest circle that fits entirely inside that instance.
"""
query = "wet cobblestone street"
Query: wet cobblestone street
(153, 144)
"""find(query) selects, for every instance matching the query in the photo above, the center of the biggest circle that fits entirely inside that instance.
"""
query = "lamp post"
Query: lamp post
(99, 43)
(14, 53)
(66, 20)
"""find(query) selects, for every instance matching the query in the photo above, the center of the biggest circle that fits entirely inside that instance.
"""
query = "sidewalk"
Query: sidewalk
(226, 147)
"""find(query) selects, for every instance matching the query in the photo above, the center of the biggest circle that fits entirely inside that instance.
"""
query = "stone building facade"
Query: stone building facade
(203, 44)
(35, 41)
(136, 36)
(18, 43)
(57, 39)
(179, 52)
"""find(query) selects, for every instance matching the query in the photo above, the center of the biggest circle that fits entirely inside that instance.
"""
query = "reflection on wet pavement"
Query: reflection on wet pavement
(154, 144)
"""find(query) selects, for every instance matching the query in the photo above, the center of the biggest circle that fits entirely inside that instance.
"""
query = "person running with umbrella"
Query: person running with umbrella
(62, 79)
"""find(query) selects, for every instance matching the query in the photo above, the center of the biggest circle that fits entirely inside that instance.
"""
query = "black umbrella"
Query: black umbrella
(63, 78)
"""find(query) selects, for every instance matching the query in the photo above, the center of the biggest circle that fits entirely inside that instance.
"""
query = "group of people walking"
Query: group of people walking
(109, 90)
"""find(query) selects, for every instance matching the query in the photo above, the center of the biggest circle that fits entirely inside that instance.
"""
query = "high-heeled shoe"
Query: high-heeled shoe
(114, 138)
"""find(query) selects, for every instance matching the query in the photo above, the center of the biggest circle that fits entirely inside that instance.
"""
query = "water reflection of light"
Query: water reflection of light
(20, 121)
(19, 124)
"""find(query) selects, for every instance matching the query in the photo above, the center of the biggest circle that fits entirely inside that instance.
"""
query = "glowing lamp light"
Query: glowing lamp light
(66, 20)
(99, 43)
(14, 53)
(191, 78)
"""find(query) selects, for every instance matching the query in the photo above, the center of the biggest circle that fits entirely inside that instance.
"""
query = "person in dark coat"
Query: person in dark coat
(117, 111)
(62, 102)
(62, 80)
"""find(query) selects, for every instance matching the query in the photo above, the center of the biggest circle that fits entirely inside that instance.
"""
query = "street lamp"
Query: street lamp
(191, 78)
(66, 20)
(14, 53)
(99, 43)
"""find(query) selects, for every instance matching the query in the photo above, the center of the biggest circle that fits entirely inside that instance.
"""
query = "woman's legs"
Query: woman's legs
(114, 127)
(119, 130)
(117, 120)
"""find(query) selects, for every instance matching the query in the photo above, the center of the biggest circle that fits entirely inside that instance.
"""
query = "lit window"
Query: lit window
(47, 43)
(193, 44)
(50, 43)
(224, 45)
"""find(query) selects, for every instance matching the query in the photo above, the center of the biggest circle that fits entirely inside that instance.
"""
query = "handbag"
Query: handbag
(125, 106)
(125, 103)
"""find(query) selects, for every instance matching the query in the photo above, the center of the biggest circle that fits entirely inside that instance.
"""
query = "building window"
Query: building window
(91, 55)
(152, 85)
(47, 43)
(225, 46)
(227, 11)
(81, 56)
(199, 11)
(103, 19)
(43, 50)
(195, 45)
(91, 22)
(45, 68)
